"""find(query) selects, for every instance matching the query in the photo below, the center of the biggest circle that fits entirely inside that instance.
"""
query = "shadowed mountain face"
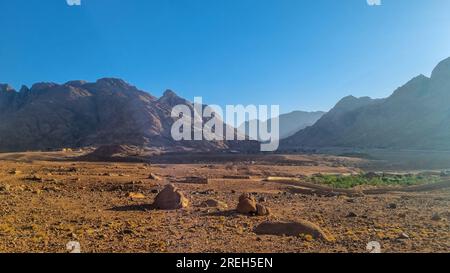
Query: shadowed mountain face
(290, 123)
(415, 116)
(80, 114)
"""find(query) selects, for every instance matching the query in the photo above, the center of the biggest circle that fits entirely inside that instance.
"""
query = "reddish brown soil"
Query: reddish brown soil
(46, 203)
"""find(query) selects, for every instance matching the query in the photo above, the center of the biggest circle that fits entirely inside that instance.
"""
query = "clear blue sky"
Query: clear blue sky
(301, 54)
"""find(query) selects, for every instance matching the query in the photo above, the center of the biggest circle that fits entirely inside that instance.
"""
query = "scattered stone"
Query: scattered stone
(195, 180)
(436, 217)
(206, 192)
(403, 236)
(351, 215)
(212, 203)
(51, 189)
(247, 204)
(5, 188)
(15, 172)
(237, 177)
(262, 210)
(392, 206)
(301, 227)
(136, 195)
(170, 198)
(262, 200)
(34, 178)
(153, 176)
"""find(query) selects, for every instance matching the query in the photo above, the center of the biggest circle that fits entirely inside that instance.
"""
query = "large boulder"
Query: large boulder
(170, 198)
(247, 204)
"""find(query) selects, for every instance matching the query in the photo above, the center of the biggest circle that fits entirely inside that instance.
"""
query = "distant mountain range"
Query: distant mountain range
(290, 123)
(80, 114)
(415, 116)
(110, 111)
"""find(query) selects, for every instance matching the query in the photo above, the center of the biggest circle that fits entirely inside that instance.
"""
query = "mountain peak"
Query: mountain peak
(42, 86)
(6, 88)
(171, 98)
(351, 103)
(442, 70)
(24, 89)
(77, 83)
(112, 82)
(169, 93)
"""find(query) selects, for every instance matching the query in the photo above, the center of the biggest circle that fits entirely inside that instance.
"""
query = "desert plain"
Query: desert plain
(50, 199)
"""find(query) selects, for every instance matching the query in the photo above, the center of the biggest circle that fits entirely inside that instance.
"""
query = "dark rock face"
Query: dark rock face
(415, 116)
(78, 114)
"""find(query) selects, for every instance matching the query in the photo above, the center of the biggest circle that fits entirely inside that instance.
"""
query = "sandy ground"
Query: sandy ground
(45, 203)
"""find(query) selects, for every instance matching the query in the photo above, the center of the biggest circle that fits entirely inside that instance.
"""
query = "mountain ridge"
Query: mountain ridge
(415, 116)
(76, 114)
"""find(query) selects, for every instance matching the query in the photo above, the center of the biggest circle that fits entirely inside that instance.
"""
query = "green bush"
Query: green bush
(347, 182)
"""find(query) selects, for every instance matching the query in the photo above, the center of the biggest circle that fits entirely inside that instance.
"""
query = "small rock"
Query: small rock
(262, 200)
(392, 206)
(5, 188)
(262, 210)
(35, 178)
(196, 180)
(51, 189)
(247, 204)
(15, 172)
(136, 195)
(153, 176)
(170, 198)
(403, 236)
(298, 228)
(351, 215)
(436, 217)
(212, 203)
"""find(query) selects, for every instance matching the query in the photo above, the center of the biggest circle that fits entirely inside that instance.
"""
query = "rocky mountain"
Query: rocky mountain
(80, 114)
(290, 123)
(415, 116)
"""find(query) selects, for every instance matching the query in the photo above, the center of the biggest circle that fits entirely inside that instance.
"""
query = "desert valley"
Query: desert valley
(94, 163)
(229, 203)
